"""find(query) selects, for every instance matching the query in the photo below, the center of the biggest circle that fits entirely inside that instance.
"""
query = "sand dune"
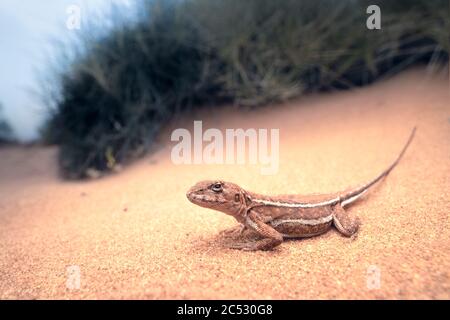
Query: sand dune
(135, 235)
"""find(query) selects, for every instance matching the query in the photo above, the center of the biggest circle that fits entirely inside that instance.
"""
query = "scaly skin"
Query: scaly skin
(275, 218)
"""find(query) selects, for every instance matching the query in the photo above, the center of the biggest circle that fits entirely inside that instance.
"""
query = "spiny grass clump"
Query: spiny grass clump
(179, 55)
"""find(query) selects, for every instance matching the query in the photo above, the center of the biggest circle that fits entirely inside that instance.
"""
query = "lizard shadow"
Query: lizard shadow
(218, 245)
(221, 242)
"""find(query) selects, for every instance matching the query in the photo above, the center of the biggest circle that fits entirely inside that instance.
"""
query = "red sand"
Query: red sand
(135, 235)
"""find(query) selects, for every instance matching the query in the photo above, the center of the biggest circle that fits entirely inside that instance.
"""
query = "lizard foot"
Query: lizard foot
(263, 245)
(234, 232)
(245, 246)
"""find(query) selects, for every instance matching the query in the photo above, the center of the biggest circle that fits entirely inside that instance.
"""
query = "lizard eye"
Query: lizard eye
(217, 187)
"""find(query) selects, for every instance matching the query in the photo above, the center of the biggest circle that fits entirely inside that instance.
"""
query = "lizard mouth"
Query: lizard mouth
(200, 200)
(194, 197)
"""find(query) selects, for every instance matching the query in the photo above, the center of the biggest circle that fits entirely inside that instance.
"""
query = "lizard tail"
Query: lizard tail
(353, 195)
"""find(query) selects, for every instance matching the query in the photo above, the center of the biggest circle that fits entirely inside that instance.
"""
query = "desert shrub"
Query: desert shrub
(178, 55)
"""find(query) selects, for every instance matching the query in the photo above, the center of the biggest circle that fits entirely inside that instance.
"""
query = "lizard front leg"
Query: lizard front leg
(236, 231)
(344, 223)
(272, 237)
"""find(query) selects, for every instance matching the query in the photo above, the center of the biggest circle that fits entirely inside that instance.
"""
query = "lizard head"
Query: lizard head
(218, 195)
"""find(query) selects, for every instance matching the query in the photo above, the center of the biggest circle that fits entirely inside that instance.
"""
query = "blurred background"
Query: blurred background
(100, 78)
(31, 36)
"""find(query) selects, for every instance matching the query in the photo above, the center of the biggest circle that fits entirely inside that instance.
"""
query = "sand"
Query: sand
(135, 235)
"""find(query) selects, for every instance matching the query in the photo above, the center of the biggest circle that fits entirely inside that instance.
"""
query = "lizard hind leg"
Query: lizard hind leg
(344, 222)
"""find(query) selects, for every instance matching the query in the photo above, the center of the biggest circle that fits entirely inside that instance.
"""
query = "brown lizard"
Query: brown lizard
(284, 216)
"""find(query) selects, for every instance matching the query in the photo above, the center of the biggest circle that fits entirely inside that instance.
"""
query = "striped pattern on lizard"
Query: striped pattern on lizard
(275, 218)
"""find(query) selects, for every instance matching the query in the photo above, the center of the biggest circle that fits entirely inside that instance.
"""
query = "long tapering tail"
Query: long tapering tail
(353, 195)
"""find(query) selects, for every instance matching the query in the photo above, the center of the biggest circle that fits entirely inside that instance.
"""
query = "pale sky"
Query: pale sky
(27, 28)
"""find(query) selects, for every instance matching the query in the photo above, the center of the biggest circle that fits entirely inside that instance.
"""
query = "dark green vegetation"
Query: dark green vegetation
(184, 54)
(5, 129)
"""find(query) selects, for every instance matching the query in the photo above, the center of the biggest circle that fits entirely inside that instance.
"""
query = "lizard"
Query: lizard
(275, 218)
